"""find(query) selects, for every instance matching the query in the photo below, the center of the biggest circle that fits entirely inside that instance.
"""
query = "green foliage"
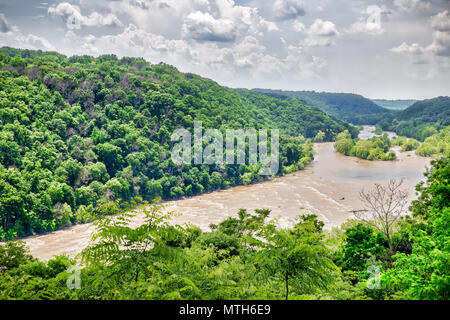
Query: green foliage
(13, 255)
(435, 193)
(246, 257)
(420, 269)
(241, 258)
(421, 120)
(319, 137)
(406, 144)
(361, 245)
(424, 273)
(437, 145)
(378, 130)
(376, 148)
(344, 106)
(294, 116)
(116, 242)
(78, 134)
(77, 131)
(298, 255)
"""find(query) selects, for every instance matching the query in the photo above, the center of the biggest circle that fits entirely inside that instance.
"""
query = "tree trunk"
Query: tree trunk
(391, 250)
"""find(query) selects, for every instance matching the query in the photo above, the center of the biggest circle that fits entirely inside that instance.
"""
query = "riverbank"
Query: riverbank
(328, 187)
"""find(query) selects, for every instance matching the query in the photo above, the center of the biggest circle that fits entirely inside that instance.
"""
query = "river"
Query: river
(329, 187)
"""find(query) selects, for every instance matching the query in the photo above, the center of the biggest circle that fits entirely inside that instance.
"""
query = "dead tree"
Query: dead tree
(384, 205)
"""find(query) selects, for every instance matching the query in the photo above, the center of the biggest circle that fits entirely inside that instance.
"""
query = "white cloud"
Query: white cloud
(247, 20)
(441, 44)
(323, 28)
(321, 33)
(415, 51)
(246, 56)
(254, 42)
(73, 18)
(38, 42)
(204, 27)
(288, 9)
(441, 22)
(12, 36)
(308, 67)
(414, 48)
(202, 20)
(140, 4)
(411, 5)
(439, 47)
(15, 38)
(298, 26)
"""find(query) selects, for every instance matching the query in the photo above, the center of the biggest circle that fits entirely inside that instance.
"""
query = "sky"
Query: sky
(382, 49)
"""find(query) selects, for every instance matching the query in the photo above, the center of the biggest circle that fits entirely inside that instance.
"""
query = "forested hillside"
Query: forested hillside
(423, 119)
(82, 130)
(293, 116)
(344, 106)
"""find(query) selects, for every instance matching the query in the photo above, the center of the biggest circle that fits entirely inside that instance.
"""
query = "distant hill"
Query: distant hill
(421, 120)
(293, 116)
(394, 104)
(349, 107)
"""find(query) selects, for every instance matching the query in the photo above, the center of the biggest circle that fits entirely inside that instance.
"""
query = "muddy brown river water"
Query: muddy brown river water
(328, 187)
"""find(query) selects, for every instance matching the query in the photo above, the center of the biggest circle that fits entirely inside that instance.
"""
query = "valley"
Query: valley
(328, 188)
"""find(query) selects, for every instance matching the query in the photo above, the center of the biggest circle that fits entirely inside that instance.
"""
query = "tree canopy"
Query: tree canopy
(78, 130)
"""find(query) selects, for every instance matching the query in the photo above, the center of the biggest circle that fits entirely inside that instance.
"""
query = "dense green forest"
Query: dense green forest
(406, 144)
(394, 104)
(248, 257)
(80, 130)
(376, 148)
(420, 121)
(437, 145)
(344, 106)
(294, 116)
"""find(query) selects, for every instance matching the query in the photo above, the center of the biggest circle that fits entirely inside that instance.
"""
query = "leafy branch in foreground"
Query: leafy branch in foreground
(116, 241)
(297, 255)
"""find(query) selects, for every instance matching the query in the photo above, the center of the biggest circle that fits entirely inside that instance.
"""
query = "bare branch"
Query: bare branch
(384, 205)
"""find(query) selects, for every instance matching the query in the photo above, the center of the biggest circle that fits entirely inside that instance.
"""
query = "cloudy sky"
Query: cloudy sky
(394, 49)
